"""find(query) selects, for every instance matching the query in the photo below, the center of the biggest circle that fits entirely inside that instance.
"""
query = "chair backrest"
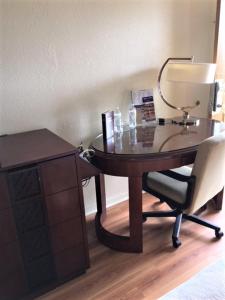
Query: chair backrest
(209, 170)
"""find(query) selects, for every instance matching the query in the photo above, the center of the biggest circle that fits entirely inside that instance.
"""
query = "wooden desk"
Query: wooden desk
(137, 151)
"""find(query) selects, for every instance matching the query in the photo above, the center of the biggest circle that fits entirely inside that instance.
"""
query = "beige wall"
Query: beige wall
(64, 62)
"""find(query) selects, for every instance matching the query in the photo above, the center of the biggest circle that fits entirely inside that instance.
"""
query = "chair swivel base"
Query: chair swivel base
(218, 233)
(176, 242)
(195, 219)
(179, 216)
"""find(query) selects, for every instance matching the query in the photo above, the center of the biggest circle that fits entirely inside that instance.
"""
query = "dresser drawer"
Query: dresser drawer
(4, 197)
(70, 262)
(24, 183)
(59, 174)
(40, 272)
(7, 227)
(63, 206)
(10, 261)
(66, 235)
(14, 287)
(35, 243)
(29, 214)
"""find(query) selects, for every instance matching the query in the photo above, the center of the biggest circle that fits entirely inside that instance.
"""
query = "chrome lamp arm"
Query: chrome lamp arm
(184, 109)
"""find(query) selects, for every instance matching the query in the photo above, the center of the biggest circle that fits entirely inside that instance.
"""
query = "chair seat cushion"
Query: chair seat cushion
(185, 170)
(167, 186)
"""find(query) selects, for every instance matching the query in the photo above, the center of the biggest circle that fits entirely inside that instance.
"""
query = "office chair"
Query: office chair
(187, 189)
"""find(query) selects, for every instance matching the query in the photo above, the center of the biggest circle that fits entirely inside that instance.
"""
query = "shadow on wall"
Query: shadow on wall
(79, 116)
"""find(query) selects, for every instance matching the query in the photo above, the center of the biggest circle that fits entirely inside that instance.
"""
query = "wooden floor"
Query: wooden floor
(149, 275)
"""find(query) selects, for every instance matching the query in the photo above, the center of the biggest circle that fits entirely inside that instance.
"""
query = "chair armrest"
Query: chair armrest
(178, 176)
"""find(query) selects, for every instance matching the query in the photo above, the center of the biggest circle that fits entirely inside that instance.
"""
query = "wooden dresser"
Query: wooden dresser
(42, 223)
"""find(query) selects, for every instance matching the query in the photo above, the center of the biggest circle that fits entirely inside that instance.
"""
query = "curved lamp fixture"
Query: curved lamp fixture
(190, 72)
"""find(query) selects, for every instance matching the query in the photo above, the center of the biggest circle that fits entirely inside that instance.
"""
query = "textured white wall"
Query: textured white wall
(65, 62)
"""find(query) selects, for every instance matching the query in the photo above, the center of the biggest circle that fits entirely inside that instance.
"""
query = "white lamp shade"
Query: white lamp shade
(191, 72)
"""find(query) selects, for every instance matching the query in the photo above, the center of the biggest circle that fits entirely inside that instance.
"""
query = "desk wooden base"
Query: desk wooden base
(154, 148)
(132, 243)
(218, 200)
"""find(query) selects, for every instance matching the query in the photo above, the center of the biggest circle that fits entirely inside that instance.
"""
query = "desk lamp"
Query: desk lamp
(189, 72)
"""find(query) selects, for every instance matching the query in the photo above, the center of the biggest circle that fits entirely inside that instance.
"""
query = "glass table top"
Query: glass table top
(156, 138)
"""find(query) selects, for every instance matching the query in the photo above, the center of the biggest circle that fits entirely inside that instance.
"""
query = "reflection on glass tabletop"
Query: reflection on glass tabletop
(157, 138)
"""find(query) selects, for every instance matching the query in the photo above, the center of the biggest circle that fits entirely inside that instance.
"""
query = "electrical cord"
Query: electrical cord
(88, 153)
(85, 182)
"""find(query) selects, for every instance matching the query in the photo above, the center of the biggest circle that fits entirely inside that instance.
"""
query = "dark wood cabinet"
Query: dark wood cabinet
(42, 224)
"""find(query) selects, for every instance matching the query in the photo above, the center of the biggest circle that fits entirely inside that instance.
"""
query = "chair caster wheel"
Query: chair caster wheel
(176, 242)
(218, 233)
(144, 219)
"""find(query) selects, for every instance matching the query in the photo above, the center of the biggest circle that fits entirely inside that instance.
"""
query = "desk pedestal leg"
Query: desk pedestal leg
(135, 211)
(132, 243)
(218, 200)
(100, 195)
